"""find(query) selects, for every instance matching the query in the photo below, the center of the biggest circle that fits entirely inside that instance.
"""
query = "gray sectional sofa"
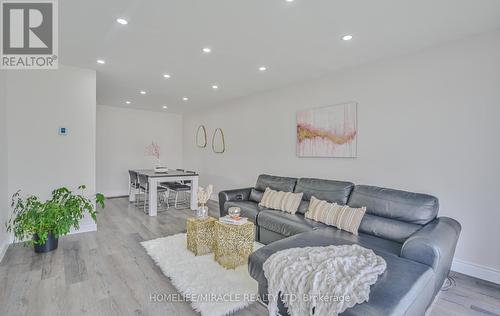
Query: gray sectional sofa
(402, 227)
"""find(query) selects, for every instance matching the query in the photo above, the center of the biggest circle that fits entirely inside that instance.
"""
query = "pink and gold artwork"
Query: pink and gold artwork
(328, 131)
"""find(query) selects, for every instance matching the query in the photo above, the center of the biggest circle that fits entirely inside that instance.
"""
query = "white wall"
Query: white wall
(4, 209)
(40, 160)
(122, 136)
(427, 123)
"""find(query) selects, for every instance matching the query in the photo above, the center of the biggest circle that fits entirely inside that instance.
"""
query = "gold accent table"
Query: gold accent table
(200, 235)
(233, 244)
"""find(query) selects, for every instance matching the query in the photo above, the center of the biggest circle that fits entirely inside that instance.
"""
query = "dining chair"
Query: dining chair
(134, 184)
(181, 189)
(144, 188)
(178, 189)
(181, 170)
(189, 181)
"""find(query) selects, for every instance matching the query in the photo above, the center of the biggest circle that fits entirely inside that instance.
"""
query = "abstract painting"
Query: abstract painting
(329, 131)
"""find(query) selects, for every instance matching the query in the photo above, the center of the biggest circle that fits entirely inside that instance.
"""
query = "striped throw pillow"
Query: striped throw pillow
(284, 201)
(341, 216)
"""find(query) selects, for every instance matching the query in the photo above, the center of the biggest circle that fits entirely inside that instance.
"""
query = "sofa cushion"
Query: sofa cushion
(328, 190)
(402, 290)
(409, 207)
(256, 195)
(303, 207)
(276, 183)
(248, 209)
(286, 224)
(387, 228)
(393, 214)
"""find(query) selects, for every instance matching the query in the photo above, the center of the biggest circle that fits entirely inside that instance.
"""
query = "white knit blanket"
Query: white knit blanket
(321, 280)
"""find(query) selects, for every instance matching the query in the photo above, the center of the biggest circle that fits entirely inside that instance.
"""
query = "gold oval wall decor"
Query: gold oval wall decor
(201, 137)
(218, 141)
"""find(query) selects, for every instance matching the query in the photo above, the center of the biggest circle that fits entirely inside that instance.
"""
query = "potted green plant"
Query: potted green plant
(41, 224)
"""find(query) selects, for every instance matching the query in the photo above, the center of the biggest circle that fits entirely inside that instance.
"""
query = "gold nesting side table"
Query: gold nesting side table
(233, 243)
(200, 235)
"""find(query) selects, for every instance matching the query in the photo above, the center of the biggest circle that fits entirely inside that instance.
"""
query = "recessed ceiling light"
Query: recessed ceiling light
(347, 37)
(122, 21)
(100, 61)
(289, 0)
(143, 92)
(185, 99)
(165, 107)
(262, 68)
(207, 50)
(166, 76)
(128, 102)
(215, 87)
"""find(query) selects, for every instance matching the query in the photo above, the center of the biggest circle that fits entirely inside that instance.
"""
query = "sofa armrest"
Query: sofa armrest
(431, 244)
(232, 195)
(434, 245)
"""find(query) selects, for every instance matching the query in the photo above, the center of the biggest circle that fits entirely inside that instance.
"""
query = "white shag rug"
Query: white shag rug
(211, 289)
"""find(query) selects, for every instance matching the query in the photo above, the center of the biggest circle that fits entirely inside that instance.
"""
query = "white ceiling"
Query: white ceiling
(297, 41)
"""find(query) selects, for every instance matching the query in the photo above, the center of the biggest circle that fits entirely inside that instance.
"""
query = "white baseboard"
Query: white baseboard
(91, 227)
(85, 228)
(476, 270)
(3, 248)
(113, 194)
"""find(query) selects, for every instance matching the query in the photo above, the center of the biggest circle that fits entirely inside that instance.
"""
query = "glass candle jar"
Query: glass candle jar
(234, 212)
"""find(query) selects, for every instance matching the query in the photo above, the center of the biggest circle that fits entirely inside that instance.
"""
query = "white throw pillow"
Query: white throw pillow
(341, 216)
(284, 201)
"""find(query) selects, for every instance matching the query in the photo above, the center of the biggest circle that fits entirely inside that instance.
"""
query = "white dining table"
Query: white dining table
(155, 178)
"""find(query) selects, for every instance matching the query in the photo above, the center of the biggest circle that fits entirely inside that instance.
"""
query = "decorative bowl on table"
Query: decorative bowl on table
(160, 169)
(234, 212)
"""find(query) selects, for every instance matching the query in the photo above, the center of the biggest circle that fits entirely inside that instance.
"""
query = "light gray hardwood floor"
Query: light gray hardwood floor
(108, 273)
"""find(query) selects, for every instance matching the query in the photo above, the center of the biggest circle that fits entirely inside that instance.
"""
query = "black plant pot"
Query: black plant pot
(50, 244)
